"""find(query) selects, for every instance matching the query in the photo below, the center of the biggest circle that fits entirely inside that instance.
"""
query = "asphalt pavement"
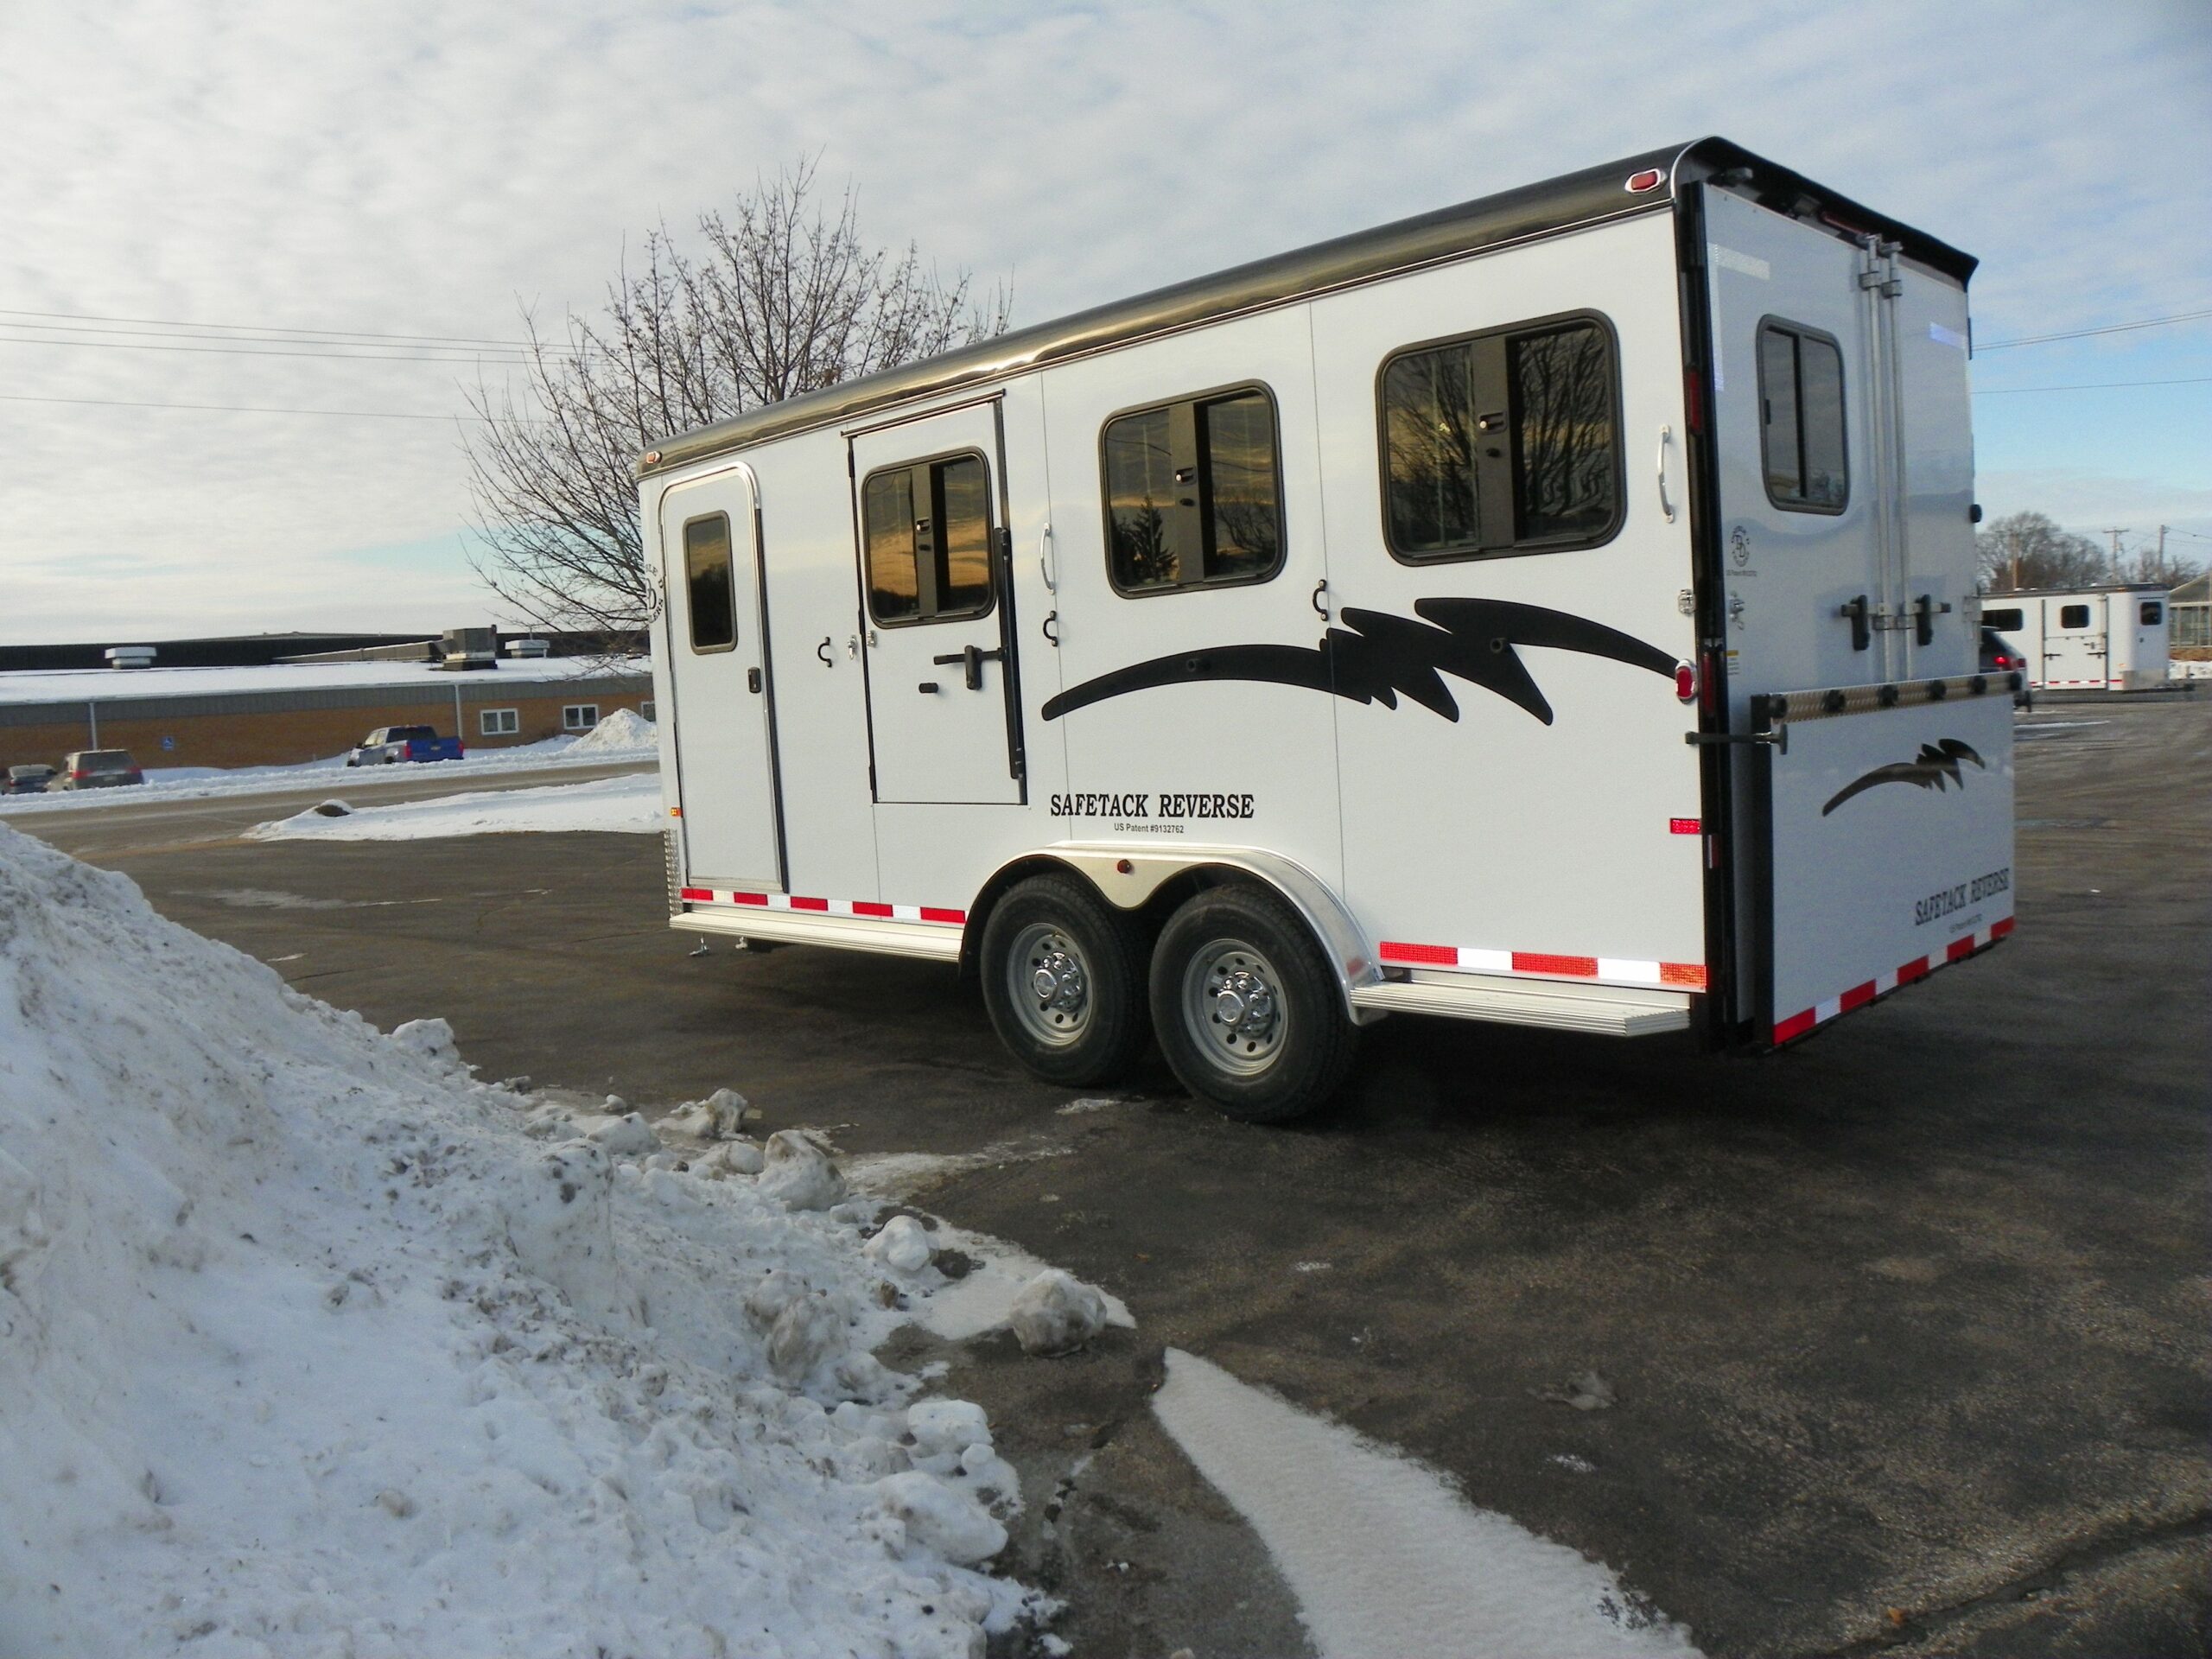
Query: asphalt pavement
(1906, 1327)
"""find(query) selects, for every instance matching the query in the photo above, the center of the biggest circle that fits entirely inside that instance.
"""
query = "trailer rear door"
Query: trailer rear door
(1878, 845)
(2075, 640)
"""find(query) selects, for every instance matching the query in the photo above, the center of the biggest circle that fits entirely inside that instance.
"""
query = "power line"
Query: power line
(366, 343)
(1981, 346)
(248, 408)
(259, 329)
(2093, 385)
(250, 351)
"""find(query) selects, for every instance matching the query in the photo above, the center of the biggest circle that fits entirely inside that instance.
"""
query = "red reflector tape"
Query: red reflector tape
(869, 907)
(1795, 1025)
(704, 895)
(810, 904)
(749, 898)
(1958, 948)
(1685, 826)
(1998, 929)
(1916, 968)
(1531, 962)
(1432, 956)
(1689, 976)
(1857, 996)
(958, 918)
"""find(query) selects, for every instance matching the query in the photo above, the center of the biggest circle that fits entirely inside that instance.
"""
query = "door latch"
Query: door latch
(971, 660)
(1777, 739)
(1862, 623)
(1925, 610)
(753, 679)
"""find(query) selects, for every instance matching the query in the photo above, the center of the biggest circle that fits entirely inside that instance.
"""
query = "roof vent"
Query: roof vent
(129, 656)
(468, 648)
(530, 648)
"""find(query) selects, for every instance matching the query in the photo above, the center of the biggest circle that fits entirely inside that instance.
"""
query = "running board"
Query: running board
(931, 944)
(1609, 1011)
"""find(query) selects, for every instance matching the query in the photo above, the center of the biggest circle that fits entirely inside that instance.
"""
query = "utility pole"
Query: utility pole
(2115, 535)
(2160, 575)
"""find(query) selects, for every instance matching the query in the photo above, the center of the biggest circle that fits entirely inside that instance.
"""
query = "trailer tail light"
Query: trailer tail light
(1693, 401)
(1685, 826)
(1650, 179)
(1685, 682)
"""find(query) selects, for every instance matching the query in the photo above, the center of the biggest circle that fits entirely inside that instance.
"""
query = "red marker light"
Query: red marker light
(1685, 682)
(1650, 179)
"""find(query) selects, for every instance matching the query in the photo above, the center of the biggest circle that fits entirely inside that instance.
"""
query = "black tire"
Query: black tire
(1254, 1074)
(1053, 922)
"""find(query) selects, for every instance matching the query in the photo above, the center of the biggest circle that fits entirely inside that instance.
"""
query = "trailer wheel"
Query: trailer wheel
(1247, 1009)
(1063, 974)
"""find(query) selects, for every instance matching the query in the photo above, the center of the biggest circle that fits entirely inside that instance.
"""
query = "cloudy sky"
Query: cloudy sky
(425, 169)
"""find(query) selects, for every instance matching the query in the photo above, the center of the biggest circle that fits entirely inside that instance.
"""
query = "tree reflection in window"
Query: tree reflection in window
(1502, 441)
(1193, 494)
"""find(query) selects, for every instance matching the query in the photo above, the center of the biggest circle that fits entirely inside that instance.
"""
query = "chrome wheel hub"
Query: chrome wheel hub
(1233, 1007)
(1048, 985)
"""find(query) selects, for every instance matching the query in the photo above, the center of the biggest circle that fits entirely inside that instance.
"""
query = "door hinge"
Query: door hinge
(1777, 739)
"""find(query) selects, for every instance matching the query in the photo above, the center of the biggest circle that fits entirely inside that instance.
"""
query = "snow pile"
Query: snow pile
(629, 803)
(311, 1345)
(624, 732)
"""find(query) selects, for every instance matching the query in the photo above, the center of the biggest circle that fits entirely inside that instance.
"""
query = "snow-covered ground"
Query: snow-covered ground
(622, 803)
(621, 736)
(312, 1344)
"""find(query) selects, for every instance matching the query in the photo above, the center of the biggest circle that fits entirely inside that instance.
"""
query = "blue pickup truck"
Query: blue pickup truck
(389, 744)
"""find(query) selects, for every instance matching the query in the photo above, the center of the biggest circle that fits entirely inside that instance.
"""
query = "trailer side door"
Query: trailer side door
(718, 703)
(944, 713)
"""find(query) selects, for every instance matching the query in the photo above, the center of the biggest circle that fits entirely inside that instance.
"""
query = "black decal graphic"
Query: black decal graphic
(1937, 766)
(1470, 638)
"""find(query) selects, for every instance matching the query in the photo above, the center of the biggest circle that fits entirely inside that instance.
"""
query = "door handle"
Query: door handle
(971, 661)
(1320, 599)
(823, 652)
(1045, 559)
(1666, 507)
(753, 679)
(1051, 628)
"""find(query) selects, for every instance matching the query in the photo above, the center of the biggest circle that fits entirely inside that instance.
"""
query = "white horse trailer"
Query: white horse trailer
(1553, 609)
(2111, 638)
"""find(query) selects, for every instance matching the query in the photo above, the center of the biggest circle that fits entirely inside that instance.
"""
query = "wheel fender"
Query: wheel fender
(1130, 876)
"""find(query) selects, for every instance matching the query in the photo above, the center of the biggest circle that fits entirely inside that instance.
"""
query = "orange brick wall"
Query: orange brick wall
(290, 736)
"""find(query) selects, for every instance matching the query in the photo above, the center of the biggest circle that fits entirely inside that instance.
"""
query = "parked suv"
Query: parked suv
(27, 781)
(98, 769)
(1998, 657)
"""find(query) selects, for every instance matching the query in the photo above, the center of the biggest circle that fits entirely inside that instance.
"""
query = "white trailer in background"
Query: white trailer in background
(2110, 639)
(1556, 609)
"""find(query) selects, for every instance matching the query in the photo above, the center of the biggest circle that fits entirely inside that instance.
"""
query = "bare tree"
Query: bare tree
(782, 298)
(2028, 550)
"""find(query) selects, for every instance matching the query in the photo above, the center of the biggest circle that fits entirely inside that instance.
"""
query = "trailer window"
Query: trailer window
(2073, 616)
(2152, 613)
(1193, 496)
(1503, 442)
(711, 597)
(927, 529)
(1802, 441)
(2007, 621)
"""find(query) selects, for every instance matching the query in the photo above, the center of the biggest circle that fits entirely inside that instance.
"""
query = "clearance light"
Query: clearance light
(1685, 682)
(1647, 179)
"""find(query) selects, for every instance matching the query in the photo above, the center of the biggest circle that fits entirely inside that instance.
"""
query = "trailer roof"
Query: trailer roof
(1570, 202)
(2089, 591)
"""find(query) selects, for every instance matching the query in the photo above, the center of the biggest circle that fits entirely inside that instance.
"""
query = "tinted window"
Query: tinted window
(2073, 616)
(2011, 621)
(708, 584)
(2152, 613)
(927, 529)
(1194, 494)
(1565, 482)
(1802, 414)
(1503, 442)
